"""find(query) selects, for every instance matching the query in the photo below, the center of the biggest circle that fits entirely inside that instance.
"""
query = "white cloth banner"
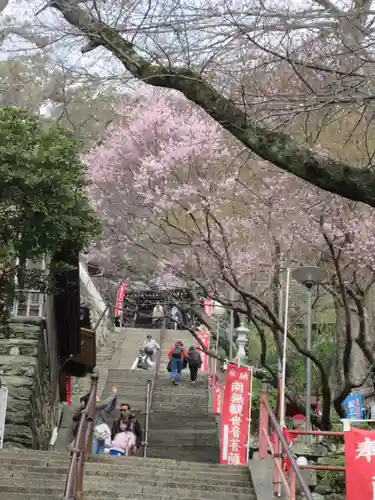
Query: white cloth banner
(3, 410)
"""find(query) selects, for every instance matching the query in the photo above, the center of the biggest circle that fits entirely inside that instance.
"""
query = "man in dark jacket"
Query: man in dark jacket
(195, 362)
(126, 414)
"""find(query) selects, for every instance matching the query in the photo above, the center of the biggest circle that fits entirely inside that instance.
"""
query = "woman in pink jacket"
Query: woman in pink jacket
(123, 442)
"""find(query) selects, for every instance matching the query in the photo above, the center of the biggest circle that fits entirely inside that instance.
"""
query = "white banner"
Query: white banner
(3, 410)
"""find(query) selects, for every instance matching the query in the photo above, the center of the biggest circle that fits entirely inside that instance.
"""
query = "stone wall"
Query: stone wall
(24, 371)
(97, 307)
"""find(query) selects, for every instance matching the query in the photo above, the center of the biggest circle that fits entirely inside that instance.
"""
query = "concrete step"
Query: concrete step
(167, 464)
(177, 424)
(44, 476)
(37, 496)
(192, 440)
(125, 374)
(154, 471)
(193, 455)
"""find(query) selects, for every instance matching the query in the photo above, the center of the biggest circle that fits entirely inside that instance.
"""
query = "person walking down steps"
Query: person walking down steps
(195, 362)
(176, 354)
(150, 346)
(101, 430)
(157, 316)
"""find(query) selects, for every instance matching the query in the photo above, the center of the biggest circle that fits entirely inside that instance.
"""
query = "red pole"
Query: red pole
(263, 422)
(69, 390)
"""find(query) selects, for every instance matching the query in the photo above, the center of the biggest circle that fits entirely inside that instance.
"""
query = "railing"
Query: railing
(149, 398)
(82, 446)
(266, 415)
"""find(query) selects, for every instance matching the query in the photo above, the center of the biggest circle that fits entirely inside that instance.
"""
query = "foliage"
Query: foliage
(251, 88)
(43, 199)
(36, 83)
(334, 480)
(173, 192)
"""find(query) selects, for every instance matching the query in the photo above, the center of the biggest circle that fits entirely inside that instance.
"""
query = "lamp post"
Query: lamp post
(308, 276)
(218, 311)
(242, 339)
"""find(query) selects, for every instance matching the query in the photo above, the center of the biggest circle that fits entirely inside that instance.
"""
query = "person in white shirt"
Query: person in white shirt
(157, 316)
(143, 361)
(150, 346)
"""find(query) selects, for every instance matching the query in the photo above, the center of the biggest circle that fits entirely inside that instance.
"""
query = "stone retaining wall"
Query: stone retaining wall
(24, 371)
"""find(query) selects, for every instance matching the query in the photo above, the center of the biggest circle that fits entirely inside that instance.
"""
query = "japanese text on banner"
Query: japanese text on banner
(234, 425)
(216, 400)
(360, 464)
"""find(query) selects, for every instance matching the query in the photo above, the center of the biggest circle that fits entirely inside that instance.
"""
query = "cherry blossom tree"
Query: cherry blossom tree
(178, 198)
(209, 55)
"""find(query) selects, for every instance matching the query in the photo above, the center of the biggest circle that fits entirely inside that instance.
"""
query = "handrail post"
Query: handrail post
(90, 418)
(82, 446)
(263, 421)
(147, 410)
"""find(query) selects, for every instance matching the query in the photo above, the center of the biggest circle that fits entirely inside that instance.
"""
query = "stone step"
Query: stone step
(191, 441)
(98, 486)
(206, 456)
(37, 496)
(44, 475)
(177, 424)
(152, 474)
(49, 459)
(163, 464)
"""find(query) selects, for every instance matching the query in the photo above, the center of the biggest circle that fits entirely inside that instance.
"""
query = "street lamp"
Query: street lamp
(242, 339)
(308, 276)
(218, 311)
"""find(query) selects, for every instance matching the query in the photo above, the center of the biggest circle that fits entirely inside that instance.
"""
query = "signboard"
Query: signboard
(205, 339)
(235, 416)
(354, 405)
(360, 464)
(3, 410)
(120, 299)
(216, 400)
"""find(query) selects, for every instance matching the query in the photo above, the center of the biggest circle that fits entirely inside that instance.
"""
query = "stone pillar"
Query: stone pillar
(242, 339)
(263, 421)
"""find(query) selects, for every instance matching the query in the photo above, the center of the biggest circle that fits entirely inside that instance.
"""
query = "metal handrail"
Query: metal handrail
(287, 451)
(149, 398)
(82, 446)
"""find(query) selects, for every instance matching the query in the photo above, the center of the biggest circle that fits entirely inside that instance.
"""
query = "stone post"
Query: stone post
(242, 339)
(263, 421)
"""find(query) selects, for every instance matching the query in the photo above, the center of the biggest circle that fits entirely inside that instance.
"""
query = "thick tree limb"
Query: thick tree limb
(278, 148)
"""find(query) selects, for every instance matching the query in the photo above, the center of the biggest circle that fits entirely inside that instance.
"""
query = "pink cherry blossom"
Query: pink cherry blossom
(173, 190)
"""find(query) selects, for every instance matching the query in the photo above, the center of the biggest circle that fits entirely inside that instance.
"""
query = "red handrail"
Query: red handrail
(266, 415)
(82, 446)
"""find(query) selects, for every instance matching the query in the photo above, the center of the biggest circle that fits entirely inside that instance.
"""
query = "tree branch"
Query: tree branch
(280, 149)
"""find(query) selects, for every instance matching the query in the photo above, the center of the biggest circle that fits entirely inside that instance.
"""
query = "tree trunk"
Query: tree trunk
(359, 364)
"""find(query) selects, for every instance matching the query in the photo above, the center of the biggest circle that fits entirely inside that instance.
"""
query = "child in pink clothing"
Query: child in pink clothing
(123, 442)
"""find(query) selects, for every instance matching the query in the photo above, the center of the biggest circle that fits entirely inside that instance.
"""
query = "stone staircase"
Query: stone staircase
(29, 475)
(114, 363)
(182, 457)
(181, 427)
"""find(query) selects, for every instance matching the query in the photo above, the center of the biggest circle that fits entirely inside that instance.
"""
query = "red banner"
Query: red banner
(360, 464)
(235, 415)
(205, 339)
(120, 299)
(216, 400)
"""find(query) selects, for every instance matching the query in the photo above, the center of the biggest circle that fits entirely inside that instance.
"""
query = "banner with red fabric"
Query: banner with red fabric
(235, 416)
(120, 299)
(216, 400)
(360, 464)
(205, 339)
